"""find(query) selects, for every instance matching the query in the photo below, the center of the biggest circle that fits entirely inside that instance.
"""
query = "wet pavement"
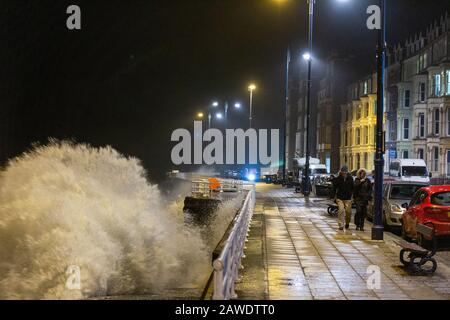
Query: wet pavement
(295, 251)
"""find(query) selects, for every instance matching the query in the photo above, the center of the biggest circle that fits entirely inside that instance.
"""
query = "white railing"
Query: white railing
(203, 188)
(226, 267)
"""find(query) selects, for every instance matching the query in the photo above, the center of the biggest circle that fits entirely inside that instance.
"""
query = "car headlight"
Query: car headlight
(395, 208)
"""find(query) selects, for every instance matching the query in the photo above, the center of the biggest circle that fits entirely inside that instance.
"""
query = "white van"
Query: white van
(409, 170)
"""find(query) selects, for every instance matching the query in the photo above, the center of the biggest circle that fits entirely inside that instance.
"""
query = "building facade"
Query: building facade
(417, 106)
(358, 129)
(331, 95)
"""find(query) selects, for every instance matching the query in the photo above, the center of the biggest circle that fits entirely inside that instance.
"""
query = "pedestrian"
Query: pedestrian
(343, 192)
(362, 194)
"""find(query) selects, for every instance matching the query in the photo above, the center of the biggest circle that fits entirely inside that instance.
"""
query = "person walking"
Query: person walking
(362, 194)
(343, 192)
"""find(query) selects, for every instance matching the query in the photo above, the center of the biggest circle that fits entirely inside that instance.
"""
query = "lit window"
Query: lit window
(437, 85)
(447, 76)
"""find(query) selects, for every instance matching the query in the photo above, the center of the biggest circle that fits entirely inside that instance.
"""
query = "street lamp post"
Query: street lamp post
(285, 126)
(378, 229)
(251, 88)
(308, 56)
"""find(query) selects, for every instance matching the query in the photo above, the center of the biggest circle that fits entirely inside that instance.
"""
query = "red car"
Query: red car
(429, 206)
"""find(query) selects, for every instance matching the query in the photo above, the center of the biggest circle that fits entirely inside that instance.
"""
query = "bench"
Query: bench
(417, 259)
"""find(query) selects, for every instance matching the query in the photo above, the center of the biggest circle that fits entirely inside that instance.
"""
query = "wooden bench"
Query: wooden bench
(417, 259)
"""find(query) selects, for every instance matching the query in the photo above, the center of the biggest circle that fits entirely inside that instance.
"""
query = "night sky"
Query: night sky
(140, 69)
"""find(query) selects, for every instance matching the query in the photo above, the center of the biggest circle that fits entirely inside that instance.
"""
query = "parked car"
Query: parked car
(395, 194)
(429, 206)
(322, 185)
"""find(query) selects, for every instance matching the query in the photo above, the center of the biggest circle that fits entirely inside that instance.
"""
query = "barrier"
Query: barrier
(226, 266)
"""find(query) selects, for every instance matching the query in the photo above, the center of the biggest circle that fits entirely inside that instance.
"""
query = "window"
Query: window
(407, 98)
(358, 137)
(404, 192)
(448, 122)
(437, 85)
(366, 160)
(447, 77)
(346, 139)
(405, 129)
(435, 159)
(418, 198)
(366, 135)
(358, 112)
(448, 162)
(358, 161)
(420, 154)
(437, 121)
(422, 92)
(405, 154)
(441, 199)
(421, 127)
(366, 110)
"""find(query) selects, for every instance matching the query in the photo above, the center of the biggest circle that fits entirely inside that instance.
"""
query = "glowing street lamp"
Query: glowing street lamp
(237, 105)
(251, 88)
(219, 116)
(200, 115)
(307, 56)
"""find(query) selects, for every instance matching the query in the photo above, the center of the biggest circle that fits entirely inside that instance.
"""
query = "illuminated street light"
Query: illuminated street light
(219, 116)
(237, 105)
(200, 115)
(251, 88)
(215, 104)
(307, 56)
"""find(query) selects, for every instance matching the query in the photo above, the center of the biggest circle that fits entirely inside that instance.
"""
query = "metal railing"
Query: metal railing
(226, 266)
(204, 188)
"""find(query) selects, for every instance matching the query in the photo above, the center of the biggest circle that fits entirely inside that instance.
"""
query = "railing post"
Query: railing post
(218, 281)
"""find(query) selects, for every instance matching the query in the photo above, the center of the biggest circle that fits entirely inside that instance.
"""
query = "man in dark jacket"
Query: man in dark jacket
(343, 191)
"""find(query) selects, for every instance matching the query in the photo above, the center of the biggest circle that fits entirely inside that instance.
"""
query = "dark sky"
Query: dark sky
(140, 69)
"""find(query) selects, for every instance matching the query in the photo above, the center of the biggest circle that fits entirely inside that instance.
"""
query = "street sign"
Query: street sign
(392, 154)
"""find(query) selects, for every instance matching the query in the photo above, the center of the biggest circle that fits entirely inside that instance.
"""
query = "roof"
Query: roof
(436, 189)
(410, 162)
(399, 182)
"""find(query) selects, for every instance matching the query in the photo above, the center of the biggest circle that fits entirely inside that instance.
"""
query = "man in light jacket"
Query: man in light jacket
(343, 191)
